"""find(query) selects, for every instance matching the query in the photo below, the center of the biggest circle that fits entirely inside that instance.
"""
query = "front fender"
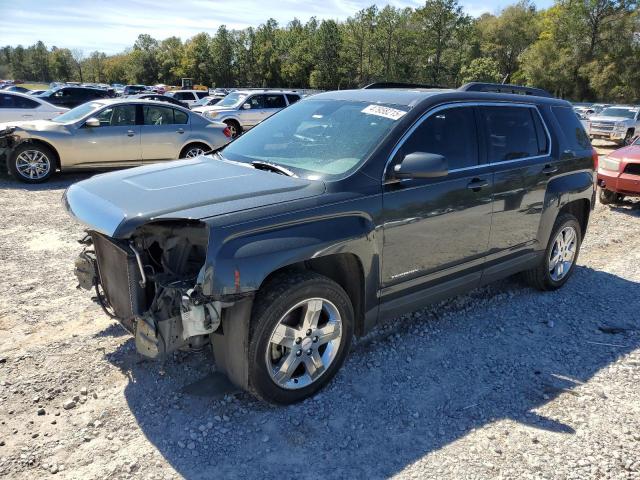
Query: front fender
(561, 191)
(242, 262)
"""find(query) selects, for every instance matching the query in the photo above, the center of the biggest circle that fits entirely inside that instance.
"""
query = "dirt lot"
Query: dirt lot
(505, 382)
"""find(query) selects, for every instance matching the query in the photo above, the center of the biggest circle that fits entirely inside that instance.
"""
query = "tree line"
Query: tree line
(577, 49)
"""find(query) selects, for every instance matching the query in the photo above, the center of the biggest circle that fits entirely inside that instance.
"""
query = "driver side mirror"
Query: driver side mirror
(422, 165)
(246, 106)
(92, 122)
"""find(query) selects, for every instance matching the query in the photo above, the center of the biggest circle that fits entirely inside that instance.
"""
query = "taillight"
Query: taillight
(595, 156)
(227, 132)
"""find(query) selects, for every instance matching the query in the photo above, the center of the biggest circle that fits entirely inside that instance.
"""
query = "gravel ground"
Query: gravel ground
(504, 382)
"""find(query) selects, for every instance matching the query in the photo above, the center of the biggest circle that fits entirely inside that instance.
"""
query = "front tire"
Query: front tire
(302, 325)
(560, 255)
(31, 163)
(234, 128)
(607, 197)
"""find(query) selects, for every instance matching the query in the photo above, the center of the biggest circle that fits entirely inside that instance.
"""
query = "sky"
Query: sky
(111, 26)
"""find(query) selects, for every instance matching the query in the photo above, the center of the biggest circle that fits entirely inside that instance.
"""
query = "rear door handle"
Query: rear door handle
(180, 130)
(549, 169)
(130, 133)
(476, 184)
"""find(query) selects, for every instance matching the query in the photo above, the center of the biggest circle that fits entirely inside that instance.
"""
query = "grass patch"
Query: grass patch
(35, 86)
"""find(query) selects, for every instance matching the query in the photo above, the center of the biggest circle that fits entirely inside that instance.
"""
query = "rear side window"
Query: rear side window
(292, 98)
(157, 115)
(450, 133)
(274, 101)
(15, 101)
(512, 133)
(180, 117)
(202, 94)
(574, 134)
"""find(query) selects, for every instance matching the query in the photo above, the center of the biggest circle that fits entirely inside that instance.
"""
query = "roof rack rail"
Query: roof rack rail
(503, 88)
(399, 85)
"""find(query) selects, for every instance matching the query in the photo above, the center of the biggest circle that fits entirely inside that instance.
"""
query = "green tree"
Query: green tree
(326, 75)
(62, 64)
(483, 69)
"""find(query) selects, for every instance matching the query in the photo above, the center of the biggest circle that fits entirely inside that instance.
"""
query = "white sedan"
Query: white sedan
(16, 106)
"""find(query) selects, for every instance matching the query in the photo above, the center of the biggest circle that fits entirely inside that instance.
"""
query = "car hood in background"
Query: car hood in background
(595, 118)
(628, 153)
(116, 203)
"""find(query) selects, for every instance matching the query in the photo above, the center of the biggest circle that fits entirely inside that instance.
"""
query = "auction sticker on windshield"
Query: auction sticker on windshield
(386, 112)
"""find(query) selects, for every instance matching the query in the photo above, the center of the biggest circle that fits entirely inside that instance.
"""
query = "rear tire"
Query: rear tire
(301, 330)
(194, 150)
(32, 163)
(560, 256)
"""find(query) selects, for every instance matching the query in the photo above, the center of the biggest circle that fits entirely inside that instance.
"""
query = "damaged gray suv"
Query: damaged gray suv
(345, 209)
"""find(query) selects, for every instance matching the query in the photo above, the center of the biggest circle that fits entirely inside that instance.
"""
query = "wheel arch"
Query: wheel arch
(575, 194)
(343, 268)
(43, 143)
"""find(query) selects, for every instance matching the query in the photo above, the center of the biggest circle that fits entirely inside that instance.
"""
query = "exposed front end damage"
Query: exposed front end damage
(151, 282)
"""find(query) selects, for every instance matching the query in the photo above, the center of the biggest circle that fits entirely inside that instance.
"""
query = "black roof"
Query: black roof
(410, 97)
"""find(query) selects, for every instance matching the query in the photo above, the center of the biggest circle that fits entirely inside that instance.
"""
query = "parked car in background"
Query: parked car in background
(159, 98)
(15, 88)
(345, 210)
(244, 109)
(618, 123)
(134, 89)
(70, 96)
(207, 101)
(16, 106)
(619, 174)
(187, 96)
(110, 133)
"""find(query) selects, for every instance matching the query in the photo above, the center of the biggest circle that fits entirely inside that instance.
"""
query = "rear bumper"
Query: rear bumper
(623, 183)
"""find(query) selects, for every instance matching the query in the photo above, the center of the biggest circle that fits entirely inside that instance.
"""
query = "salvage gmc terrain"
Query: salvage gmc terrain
(344, 209)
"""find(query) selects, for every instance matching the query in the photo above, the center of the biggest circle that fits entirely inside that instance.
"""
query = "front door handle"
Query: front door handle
(477, 184)
(549, 169)
(180, 131)
(130, 133)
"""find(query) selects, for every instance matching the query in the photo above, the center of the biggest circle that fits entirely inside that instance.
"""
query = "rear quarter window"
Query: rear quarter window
(574, 134)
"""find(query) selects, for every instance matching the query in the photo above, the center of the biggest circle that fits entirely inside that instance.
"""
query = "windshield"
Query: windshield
(231, 100)
(77, 113)
(317, 138)
(619, 112)
(202, 101)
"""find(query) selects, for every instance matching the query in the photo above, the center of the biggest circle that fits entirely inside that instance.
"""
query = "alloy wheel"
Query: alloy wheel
(33, 164)
(563, 253)
(304, 343)
(194, 152)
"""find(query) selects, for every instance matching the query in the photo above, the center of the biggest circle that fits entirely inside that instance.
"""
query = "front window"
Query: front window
(619, 112)
(317, 138)
(232, 100)
(77, 113)
(118, 116)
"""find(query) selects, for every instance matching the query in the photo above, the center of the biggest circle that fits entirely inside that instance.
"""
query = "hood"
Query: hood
(34, 125)
(116, 203)
(597, 118)
(630, 153)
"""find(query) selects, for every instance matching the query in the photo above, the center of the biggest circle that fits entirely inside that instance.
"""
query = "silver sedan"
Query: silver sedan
(106, 134)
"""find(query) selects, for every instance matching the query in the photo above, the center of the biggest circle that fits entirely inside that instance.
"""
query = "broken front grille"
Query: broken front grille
(120, 278)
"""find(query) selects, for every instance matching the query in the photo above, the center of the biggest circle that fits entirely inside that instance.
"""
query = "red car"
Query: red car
(619, 174)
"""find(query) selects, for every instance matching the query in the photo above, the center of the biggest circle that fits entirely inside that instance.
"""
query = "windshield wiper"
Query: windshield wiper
(272, 167)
